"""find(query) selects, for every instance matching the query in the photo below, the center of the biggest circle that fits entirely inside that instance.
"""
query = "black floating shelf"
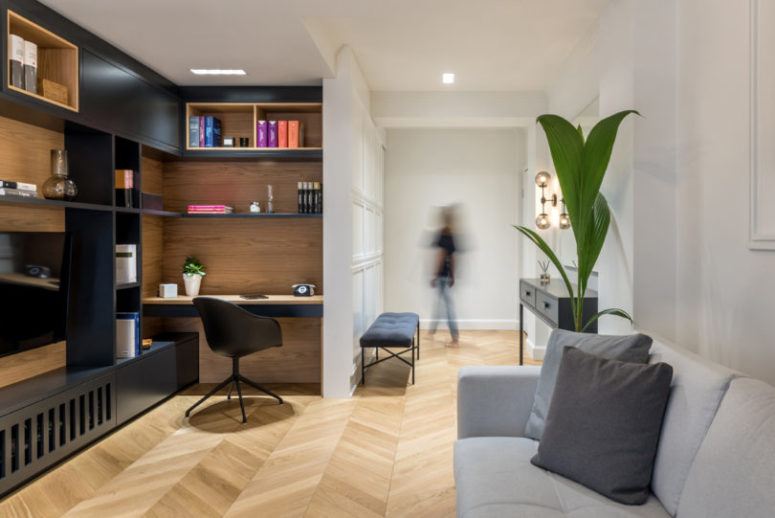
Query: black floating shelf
(294, 153)
(127, 285)
(44, 203)
(129, 210)
(156, 212)
(249, 215)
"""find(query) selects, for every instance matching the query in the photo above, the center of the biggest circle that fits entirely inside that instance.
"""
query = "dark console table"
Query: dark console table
(550, 302)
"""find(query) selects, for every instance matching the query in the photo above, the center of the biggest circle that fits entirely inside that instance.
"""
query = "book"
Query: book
(210, 209)
(127, 335)
(124, 187)
(193, 131)
(126, 264)
(16, 57)
(209, 131)
(293, 134)
(217, 141)
(30, 67)
(18, 185)
(201, 131)
(271, 139)
(261, 134)
(17, 193)
(282, 133)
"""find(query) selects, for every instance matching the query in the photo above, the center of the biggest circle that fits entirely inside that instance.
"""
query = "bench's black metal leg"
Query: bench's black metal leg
(376, 352)
(363, 367)
(413, 342)
(216, 389)
(418, 339)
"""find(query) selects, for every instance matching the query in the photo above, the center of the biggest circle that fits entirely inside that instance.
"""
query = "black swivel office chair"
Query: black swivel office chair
(235, 332)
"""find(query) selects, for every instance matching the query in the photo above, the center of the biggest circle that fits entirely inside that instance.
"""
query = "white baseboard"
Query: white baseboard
(535, 352)
(471, 324)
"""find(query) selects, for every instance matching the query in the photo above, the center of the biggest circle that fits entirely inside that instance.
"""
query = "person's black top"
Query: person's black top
(447, 243)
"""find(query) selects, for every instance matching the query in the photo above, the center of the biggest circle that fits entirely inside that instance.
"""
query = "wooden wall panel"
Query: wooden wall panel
(26, 364)
(236, 183)
(297, 361)
(25, 151)
(153, 175)
(246, 256)
(28, 219)
(153, 250)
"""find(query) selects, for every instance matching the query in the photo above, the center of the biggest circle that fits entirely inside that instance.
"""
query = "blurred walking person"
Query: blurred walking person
(444, 275)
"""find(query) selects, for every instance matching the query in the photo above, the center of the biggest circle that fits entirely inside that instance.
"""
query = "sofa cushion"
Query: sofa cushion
(698, 387)
(494, 478)
(603, 424)
(632, 348)
(734, 470)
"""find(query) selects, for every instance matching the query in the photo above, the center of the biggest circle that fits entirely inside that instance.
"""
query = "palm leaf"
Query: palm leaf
(593, 240)
(610, 311)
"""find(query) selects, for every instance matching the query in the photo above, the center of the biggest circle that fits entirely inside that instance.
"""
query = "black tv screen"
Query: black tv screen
(34, 278)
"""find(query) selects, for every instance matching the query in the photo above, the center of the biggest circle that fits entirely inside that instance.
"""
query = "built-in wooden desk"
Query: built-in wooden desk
(297, 361)
(272, 306)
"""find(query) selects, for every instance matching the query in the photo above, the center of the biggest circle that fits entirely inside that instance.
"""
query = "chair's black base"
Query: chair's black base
(235, 378)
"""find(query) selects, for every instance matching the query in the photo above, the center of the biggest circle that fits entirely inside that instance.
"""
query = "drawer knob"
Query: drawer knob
(546, 305)
(527, 293)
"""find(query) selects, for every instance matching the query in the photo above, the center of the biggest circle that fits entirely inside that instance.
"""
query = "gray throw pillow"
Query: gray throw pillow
(627, 348)
(603, 424)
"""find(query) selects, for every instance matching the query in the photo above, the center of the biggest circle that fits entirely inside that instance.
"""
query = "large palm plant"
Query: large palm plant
(581, 165)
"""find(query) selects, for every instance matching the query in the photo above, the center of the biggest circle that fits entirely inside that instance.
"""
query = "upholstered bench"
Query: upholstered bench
(391, 330)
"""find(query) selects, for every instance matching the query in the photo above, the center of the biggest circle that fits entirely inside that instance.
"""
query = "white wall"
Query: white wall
(479, 168)
(351, 224)
(678, 182)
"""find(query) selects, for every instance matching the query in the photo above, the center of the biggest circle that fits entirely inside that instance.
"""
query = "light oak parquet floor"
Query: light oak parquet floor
(385, 452)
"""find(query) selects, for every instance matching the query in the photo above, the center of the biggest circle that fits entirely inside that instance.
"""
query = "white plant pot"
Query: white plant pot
(192, 283)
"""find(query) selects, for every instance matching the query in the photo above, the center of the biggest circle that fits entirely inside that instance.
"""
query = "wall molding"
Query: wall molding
(758, 238)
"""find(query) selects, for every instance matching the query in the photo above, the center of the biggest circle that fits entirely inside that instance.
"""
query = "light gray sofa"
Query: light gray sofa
(716, 455)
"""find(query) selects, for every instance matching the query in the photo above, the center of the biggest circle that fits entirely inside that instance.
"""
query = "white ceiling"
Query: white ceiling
(401, 45)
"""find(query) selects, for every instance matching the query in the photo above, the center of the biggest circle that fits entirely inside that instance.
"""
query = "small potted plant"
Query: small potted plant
(193, 271)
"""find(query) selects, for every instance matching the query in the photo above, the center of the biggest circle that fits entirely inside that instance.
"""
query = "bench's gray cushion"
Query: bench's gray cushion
(391, 330)
(698, 387)
(630, 348)
(734, 470)
(494, 479)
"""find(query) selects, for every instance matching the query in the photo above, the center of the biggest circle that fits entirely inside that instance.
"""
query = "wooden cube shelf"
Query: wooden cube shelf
(239, 120)
(57, 59)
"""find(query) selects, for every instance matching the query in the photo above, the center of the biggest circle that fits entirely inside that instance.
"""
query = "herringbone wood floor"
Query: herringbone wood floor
(385, 452)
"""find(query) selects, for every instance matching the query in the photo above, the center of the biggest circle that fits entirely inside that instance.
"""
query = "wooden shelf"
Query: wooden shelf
(251, 215)
(57, 59)
(239, 120)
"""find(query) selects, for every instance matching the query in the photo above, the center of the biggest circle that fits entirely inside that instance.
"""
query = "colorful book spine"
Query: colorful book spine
(209, 130)
(17, 193)
(262, 134)
(209, 209)
(124, 187)
(282, 133)
(18, 185)
(16, 56)
(271, 139)
(217, 140)
(193, 131)
(293, 134)
(201, 131)
(30, 67)
(127, 335)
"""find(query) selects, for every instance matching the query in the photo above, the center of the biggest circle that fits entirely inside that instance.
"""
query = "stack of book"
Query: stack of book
(288, 134)
(124, 185)
(17, 190)
(204, 131)
(23, 58)
(210, 209)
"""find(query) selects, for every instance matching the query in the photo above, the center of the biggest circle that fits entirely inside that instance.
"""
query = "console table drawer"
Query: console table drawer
(547, 306)
(527, 293)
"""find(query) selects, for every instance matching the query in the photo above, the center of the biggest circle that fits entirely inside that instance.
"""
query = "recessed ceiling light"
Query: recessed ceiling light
(447, 78)
(218, 71)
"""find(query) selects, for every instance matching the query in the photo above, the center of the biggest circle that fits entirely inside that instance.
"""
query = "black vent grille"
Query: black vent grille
(39, 435)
